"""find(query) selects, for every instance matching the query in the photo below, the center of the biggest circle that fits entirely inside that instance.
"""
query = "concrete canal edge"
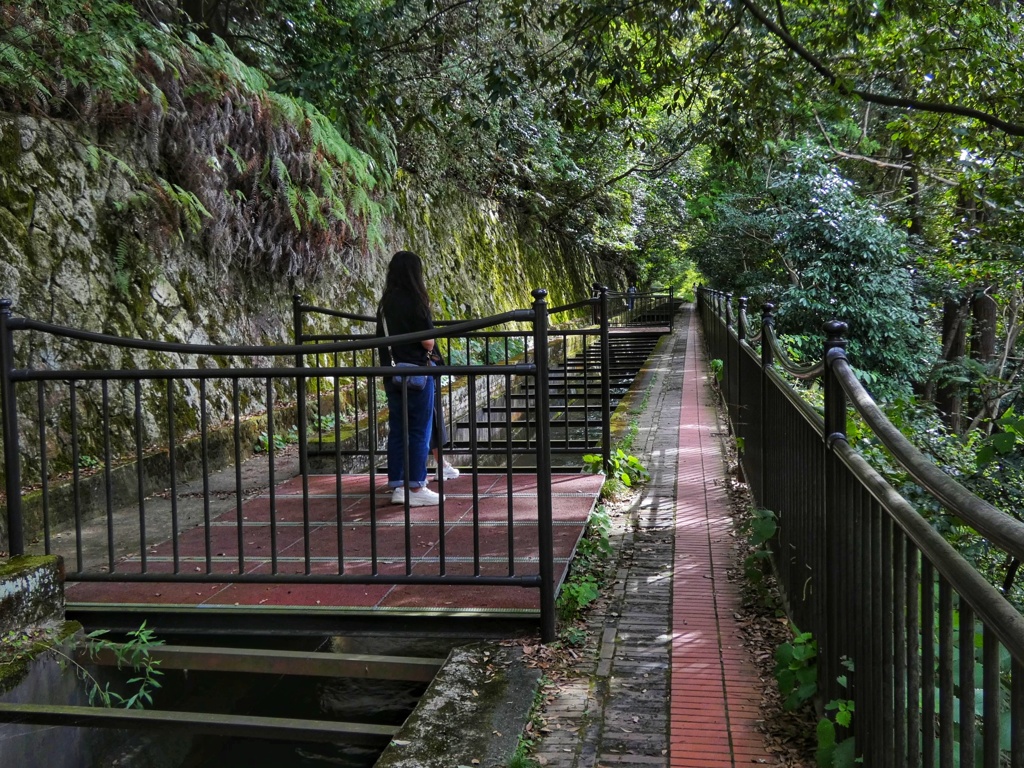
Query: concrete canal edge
(472, 714)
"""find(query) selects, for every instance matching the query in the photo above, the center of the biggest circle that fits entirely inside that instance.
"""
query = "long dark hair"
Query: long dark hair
(405, 277)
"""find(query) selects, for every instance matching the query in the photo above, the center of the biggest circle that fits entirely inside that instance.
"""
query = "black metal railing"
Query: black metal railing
(102, 427)
(631, 309)
(936, 651)
(490, 419)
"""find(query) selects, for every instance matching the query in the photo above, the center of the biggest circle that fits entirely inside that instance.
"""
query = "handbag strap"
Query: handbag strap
(384, 323)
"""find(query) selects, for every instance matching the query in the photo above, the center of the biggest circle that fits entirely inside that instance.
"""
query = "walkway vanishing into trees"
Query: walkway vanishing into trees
(929, 653)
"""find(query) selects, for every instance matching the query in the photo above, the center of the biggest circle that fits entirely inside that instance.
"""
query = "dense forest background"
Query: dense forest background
(858, 159)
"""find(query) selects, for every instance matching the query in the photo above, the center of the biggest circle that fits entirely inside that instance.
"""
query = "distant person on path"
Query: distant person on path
(405, 308)
(631, 296)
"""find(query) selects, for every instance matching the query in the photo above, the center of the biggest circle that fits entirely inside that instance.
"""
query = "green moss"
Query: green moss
(19, 649)
(21, 564)
(10, 144)
(11, 227)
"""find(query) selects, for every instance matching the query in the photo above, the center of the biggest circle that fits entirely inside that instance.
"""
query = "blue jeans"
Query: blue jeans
(421, 414)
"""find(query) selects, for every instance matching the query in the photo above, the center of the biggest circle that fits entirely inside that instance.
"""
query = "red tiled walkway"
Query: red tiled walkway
(485, 523)
(715, 690)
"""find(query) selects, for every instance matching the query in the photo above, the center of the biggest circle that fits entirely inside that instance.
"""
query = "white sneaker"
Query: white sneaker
(448, 471)
(424, 497)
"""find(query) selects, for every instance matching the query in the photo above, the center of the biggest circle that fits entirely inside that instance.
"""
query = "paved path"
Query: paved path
(669, 684)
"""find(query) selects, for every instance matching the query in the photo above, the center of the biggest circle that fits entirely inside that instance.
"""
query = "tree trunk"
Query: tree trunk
(207, 17)
(954, 347)
(985, 315)
(916, 225)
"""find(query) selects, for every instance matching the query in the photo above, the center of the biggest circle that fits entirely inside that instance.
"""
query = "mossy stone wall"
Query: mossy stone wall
(76, 250)
(86, 241)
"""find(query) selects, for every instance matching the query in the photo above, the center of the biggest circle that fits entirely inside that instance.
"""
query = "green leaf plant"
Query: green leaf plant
(796, 669)
(133, 654)
(833, 752)
(759, 527)
(624, 468)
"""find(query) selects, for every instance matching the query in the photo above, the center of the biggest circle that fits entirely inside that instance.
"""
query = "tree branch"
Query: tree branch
(880, 163)
(1013, 129)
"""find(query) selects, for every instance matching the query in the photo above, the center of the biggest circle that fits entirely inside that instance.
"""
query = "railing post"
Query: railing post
(835, 429)
(741, 335)
(835, 399)
(300, 387)
(12, 449)
(767, 361)
(545, 534)
(671, 309)
(730, 388)
(606, 384)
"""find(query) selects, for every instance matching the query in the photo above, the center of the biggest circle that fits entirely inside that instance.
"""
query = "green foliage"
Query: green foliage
(521, 759)
(804, 239)
(184, 203)
(717, 368)
(281, 440)
(66, 57)
(624, 468)
(831, 751)
(576, 595)
(1000, 481)
(322, 423)
(574, 636)
(796, 670)
(264, 179)
(760, 527)
(134, 654)
(1003, 444)
(583, 586)
(85, 461)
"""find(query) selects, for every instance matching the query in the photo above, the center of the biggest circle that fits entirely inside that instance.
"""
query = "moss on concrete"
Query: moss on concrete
(18, 651)
(472, 714)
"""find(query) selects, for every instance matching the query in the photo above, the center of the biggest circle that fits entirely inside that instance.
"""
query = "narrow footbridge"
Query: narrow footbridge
(243, 489)
(204, 533)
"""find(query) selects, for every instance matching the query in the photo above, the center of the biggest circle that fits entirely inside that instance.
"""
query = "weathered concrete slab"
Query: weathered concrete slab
(471, 715)
(31, 592)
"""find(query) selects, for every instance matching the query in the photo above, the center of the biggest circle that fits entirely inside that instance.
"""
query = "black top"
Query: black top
(403, 316)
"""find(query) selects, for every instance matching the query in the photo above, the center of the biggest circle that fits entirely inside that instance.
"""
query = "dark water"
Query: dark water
(381, 702)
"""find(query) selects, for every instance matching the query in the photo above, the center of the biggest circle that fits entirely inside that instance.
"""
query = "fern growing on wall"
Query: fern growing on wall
(261, 179)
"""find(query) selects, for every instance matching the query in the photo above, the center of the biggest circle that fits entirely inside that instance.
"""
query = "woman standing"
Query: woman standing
(405, 308)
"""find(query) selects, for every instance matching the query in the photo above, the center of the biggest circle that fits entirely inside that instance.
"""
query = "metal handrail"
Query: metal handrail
(866, 573)
(305, 308)
(767, 335)
(1005, 620)
(986, 519)
(780, 357)
(575, 305)
(270, 350)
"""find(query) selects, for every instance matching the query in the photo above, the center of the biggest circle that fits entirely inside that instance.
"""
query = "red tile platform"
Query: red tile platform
(506, 516)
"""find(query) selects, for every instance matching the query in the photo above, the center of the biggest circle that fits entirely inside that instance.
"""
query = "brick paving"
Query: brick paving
(668, 683)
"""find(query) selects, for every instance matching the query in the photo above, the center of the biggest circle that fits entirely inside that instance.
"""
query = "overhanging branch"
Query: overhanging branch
(1013, 129)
